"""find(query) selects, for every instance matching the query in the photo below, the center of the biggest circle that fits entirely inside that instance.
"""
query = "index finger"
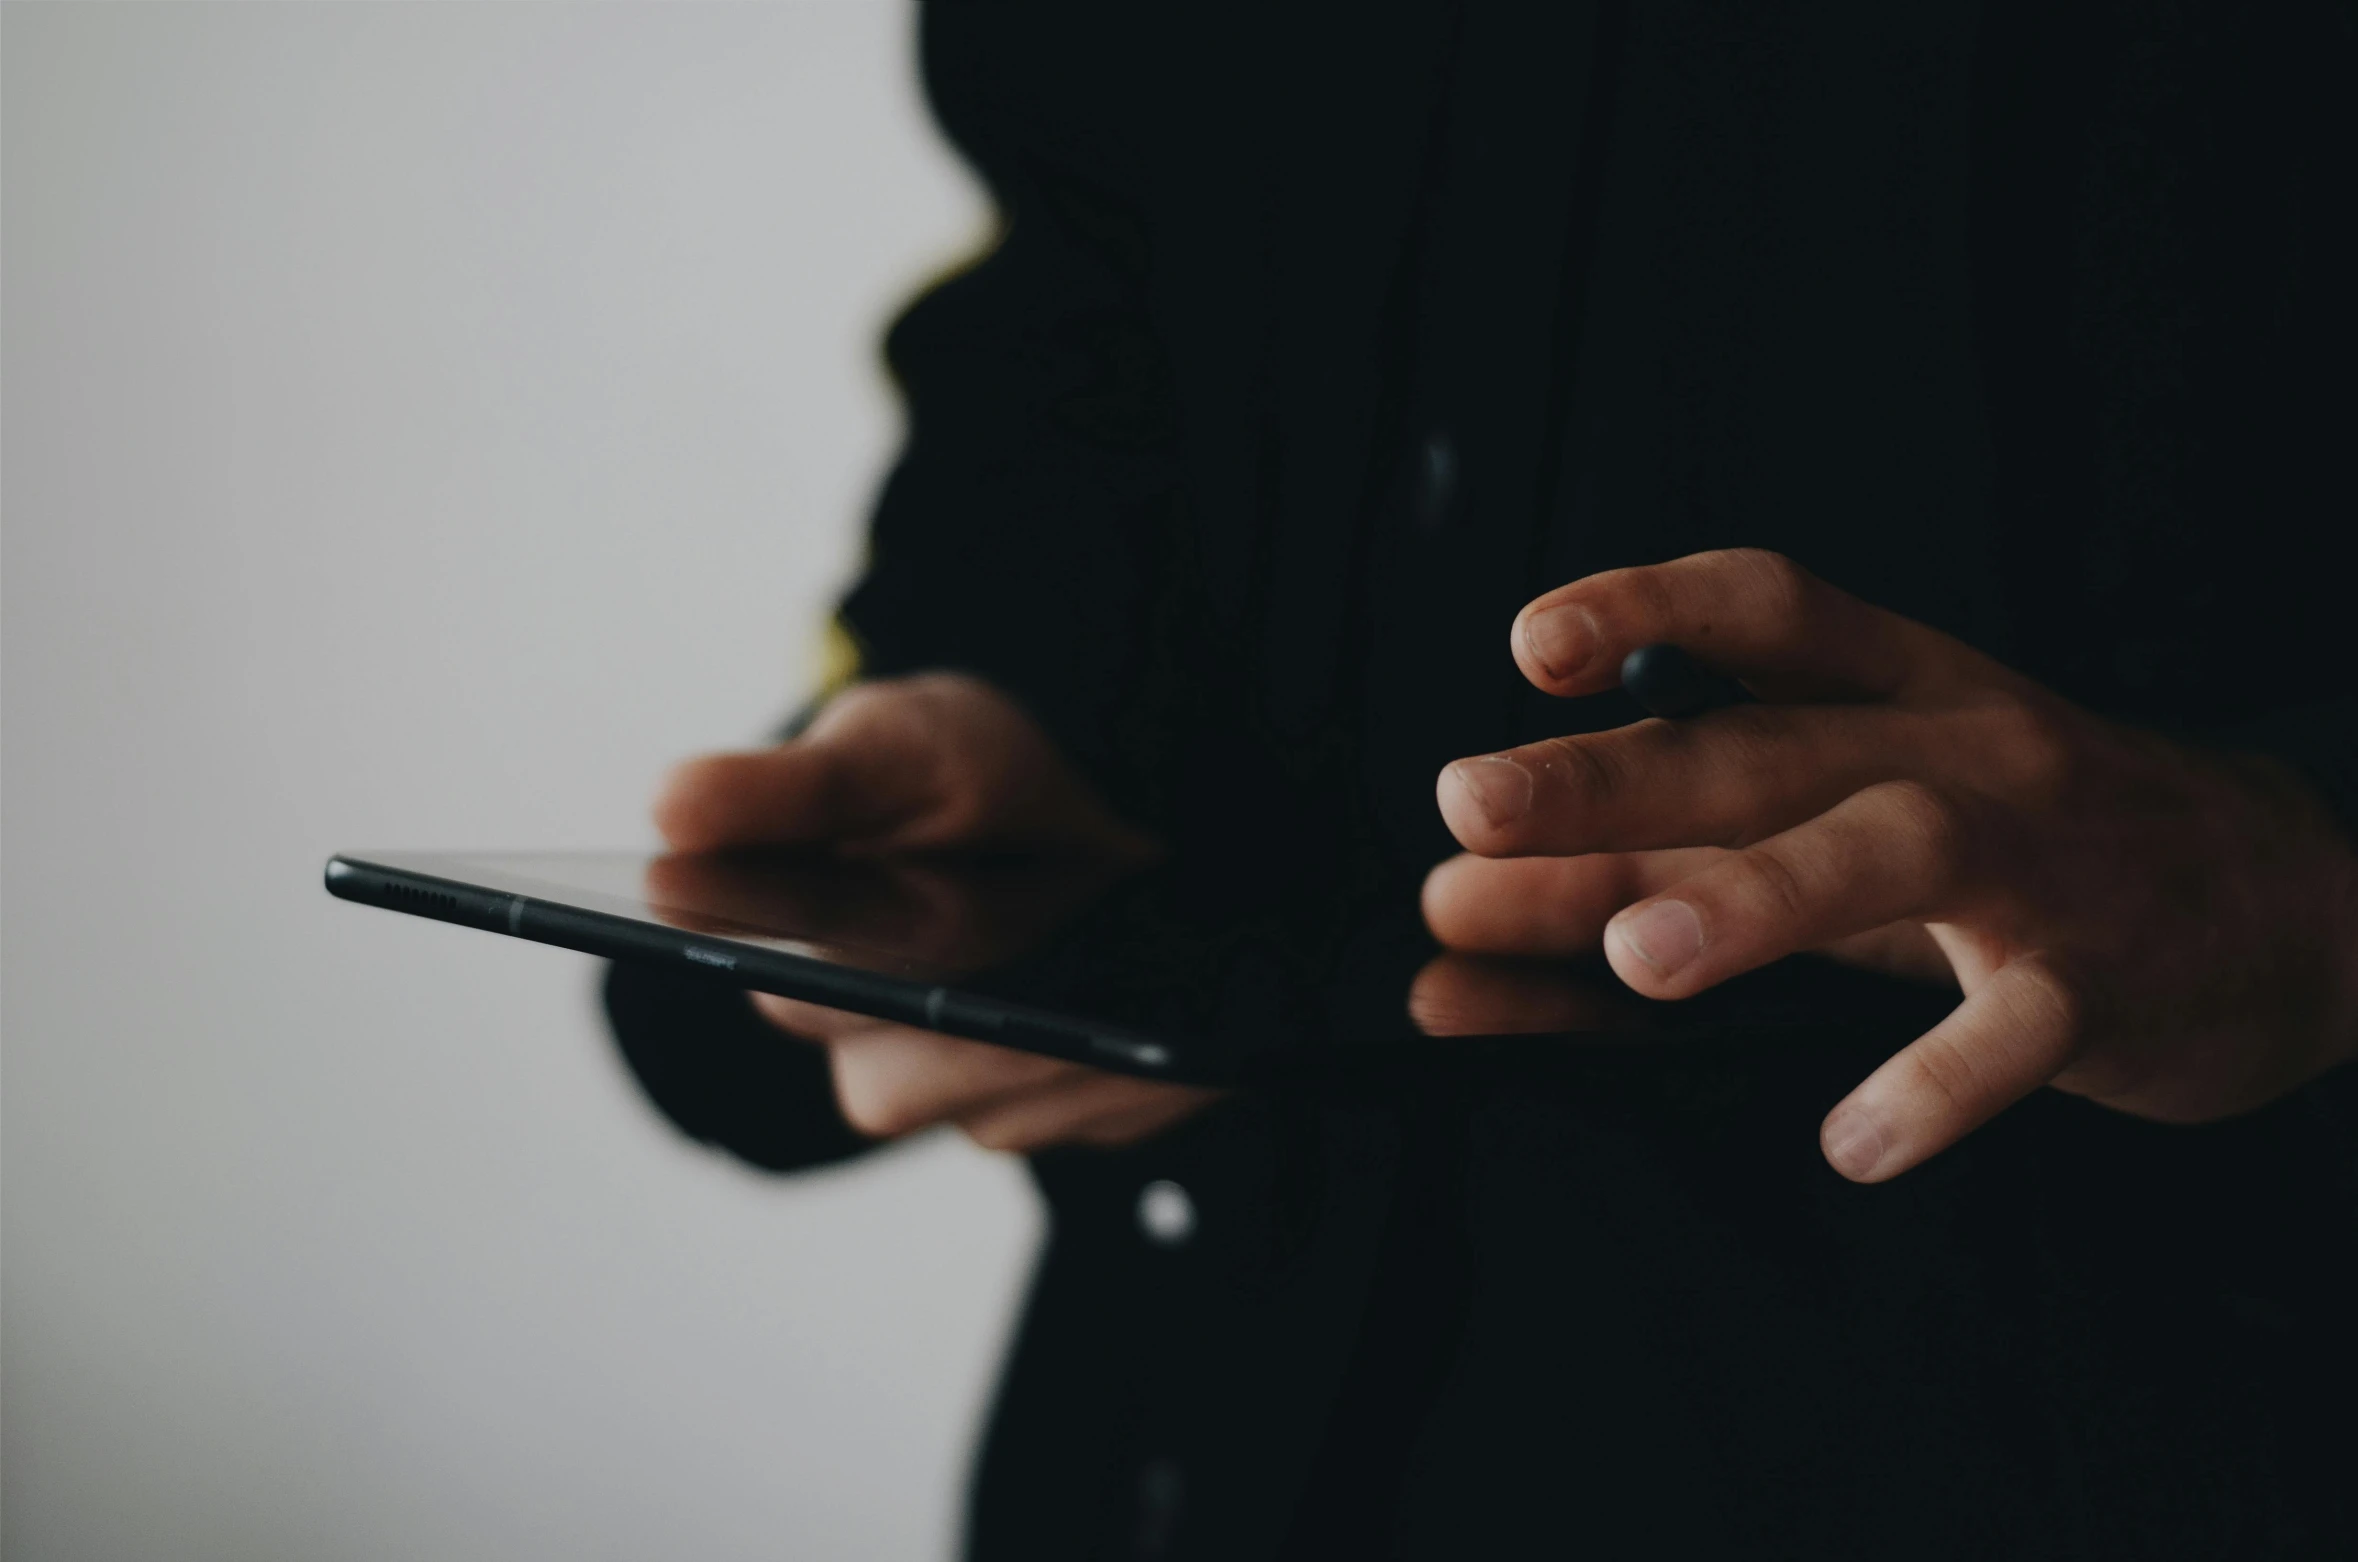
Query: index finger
(1756, 615)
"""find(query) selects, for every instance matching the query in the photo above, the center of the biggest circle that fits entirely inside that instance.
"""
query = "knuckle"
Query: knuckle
(2028, 751)
(1772, 883)
(1748, 753)
(1951, 1075)
(2041, 1032)
(2050, 1004)
(1780, 588)
(1934, 830)
(1652, 594)
(1583, 770)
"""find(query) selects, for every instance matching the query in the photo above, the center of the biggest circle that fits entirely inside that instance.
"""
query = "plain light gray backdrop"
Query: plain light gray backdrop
(422, 424)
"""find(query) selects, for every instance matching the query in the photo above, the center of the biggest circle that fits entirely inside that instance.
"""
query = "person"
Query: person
(1338, 407)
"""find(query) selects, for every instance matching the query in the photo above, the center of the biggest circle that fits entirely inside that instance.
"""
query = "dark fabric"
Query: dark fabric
(721, 1073)
(1319, 342)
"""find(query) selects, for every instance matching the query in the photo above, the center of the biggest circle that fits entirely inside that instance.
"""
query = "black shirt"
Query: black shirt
(1316, 345)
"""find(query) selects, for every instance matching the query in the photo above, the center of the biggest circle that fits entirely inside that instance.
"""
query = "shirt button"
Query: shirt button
(1166, 1214)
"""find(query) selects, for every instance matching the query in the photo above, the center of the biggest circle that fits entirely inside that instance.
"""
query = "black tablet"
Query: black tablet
(1191, 972)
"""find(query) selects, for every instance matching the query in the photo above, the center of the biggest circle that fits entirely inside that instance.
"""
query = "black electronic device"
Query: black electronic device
(1169, 973)
(1667, 681)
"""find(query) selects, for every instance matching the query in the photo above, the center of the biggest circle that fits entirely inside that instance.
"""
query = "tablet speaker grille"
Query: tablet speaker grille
(430, 900)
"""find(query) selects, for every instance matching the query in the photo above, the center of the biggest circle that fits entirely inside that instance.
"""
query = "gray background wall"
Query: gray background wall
(423, 423)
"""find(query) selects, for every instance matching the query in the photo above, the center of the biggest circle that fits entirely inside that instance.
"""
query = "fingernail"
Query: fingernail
(1666, 935)
(1499, 786)
(1854, 1143)
(1561, 639)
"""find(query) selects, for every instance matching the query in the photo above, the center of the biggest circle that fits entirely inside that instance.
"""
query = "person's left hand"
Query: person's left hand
(895, 769)
(2169, 931)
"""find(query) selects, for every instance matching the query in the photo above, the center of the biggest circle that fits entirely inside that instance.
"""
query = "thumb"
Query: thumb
(864, 772)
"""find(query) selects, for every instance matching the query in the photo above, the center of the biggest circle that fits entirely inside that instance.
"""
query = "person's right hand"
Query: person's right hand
(936, 762)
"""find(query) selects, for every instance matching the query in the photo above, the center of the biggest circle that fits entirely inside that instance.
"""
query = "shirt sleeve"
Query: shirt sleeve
(722, 1074)
(1020, 537)
(1022, 534)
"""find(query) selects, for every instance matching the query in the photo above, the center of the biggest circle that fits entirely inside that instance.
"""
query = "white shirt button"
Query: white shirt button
(1166, 1214)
